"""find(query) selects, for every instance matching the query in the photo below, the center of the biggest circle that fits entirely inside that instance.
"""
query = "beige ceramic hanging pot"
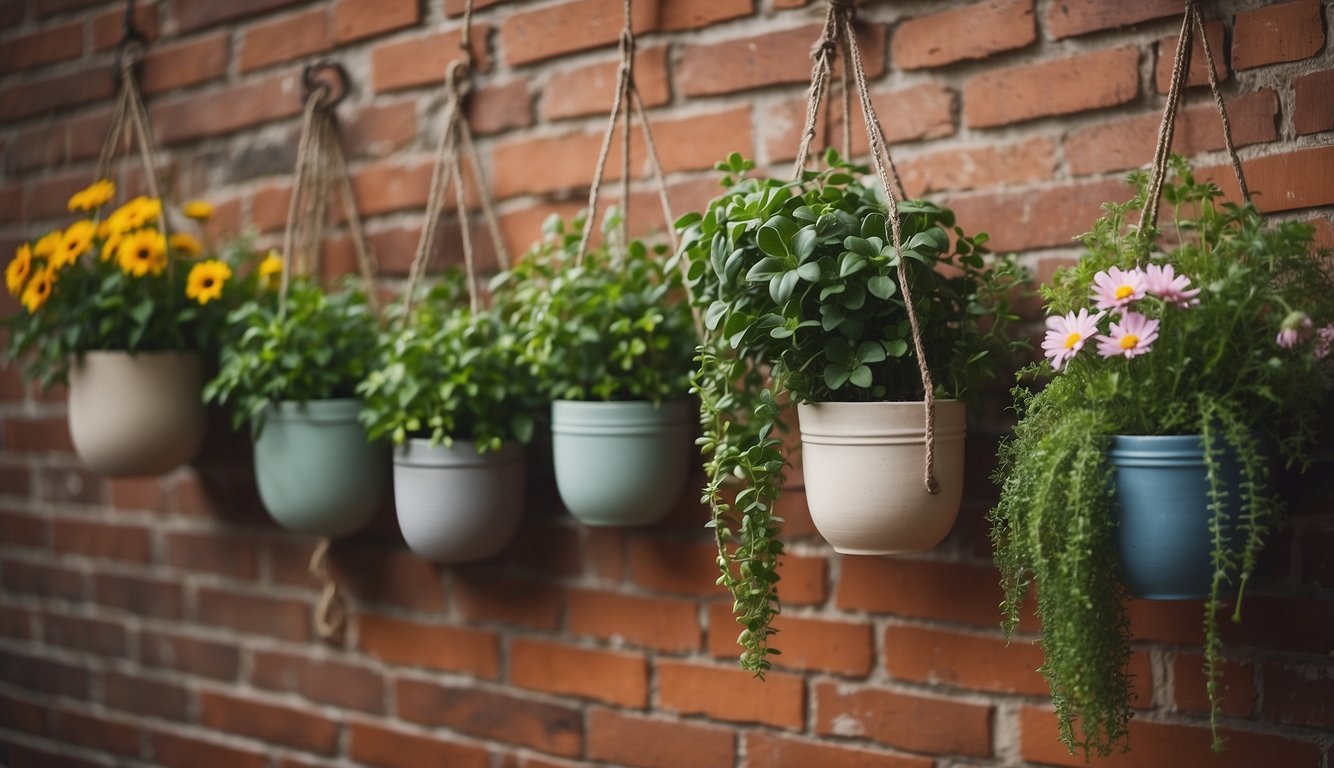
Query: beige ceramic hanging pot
(863, 465)
(136, 414)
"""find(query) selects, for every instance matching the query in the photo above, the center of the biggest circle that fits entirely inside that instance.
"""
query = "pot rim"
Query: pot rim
(601, 416)
(317, 409)
(847, 423)
(419, 452)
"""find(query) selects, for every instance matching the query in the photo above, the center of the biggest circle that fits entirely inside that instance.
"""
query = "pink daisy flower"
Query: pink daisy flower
(1297, 327)
(1066, 335)
(1129, 338)
(1115, 288)
(1163, 282)
(1324, 341)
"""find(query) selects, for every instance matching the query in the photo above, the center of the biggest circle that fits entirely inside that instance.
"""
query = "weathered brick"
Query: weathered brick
(380, 130)
(46, 581)
(109, 26)
(146, 597)
(95, 732)
(924, 588)
(323, 681)
(1313, 102)
(1028, 91)
(1293, 180)
(960, 34)
(1123, 143)
(774, 751)
(617, 678)
(1289, 31)
(839, 647)
(916, 723)
(1041, 217)
(130, 543)
(22, 530)
(978, 166)
(669, 566)
(377, 746)
(496, 108)
(359, 19)
(197, 14)
(417, 61)
(177, 65)
(1067, 18)
(214, 113)
(621, 738)
(708, 69)
(485, 714)
(728, 693)
(42, 48)
(41, 434)
(271, 616)
(230, 556)
(93, 636)
(533, 35)
(455, 649)
(1199, 69)
(588, 89)
(661, 623)
(1236, 686)
(675, 15)
(39, 675)
(175, 751)
(284, 39)
(206, 658)
(246, 716)
(137, 694)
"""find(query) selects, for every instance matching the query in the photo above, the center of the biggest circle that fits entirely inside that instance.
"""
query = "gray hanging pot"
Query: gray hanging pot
(136, 413)
(317, 473)
(620, 463)
(862, 464)
(455, 505)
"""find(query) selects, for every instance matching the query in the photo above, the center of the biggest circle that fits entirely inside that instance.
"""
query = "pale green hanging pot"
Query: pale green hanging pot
(316, 471)
(620, 463)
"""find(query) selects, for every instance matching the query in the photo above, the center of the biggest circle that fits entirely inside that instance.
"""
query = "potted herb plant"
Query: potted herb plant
(610, 338)
(447, 388)
(291, 373)
(124, 314)
(1179, 364)
(799, 287)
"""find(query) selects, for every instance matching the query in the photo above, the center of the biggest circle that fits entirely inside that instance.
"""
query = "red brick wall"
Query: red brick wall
(166, 621)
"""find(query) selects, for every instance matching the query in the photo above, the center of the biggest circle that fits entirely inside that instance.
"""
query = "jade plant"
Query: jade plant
(447, 372)
(1218, 325)
(319, 346)
(614, 327)
(798, 285)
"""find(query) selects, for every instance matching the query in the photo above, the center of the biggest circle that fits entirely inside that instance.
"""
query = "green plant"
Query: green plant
(319, 346)
(799, 288)
(118, 282)
(1225, 344)
(448, 373)
(615, 327)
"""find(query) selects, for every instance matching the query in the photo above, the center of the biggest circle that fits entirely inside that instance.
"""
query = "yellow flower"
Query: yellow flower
(78, 238)
(136, 213)
(199, 210)
(270, 271)
(48, 243)
(93, 196)
(142, 252)
(16, 274)
(39, 290)
(206, 280)
(186, 243)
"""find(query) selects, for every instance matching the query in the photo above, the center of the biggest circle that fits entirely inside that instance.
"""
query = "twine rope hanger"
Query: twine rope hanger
(1191, 23)
(626, 99)
(447, 174)
(321, 168)
(840, 28)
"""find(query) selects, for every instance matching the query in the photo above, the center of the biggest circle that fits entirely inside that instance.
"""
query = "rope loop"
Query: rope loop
(326, 80)
(330, 613)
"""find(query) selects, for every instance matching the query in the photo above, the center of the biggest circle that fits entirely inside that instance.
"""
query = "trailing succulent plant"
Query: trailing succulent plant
(797, 281)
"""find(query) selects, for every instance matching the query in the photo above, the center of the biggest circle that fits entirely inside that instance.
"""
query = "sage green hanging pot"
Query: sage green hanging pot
(317, 473)
(455, 505)
(136, 413)
(620, 463)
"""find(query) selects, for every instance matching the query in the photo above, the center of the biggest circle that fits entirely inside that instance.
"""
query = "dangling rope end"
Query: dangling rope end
(330, 615)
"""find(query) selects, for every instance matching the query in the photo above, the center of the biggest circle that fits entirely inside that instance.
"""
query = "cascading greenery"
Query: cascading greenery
(799, 289)
(1240, 363)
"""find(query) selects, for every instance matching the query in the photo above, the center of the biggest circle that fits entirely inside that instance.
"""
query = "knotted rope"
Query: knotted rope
(1191, 22)
(839, 28)
(331, 611)
(320, 165)
(447, 174)
(626, 100)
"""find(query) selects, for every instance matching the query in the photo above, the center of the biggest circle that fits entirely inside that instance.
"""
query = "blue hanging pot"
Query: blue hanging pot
(1161, 507)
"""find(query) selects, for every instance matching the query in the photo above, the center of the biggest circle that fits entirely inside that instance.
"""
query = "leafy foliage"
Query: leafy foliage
(1215, 369)
(320, 348)
(798, 280)
(448, 373)
(96, 297)
(614, 328)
